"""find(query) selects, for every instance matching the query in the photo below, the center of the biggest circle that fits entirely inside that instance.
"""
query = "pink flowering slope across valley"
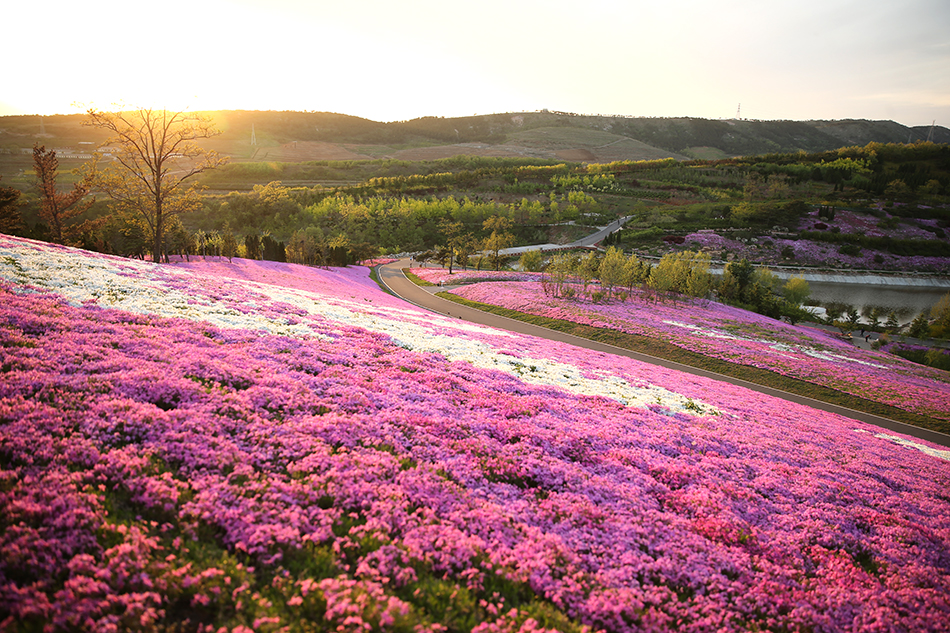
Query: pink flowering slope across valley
(744, 338)
(774, 250)
(262, 447)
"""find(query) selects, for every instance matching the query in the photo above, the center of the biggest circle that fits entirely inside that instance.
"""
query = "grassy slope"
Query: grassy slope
(661, 349)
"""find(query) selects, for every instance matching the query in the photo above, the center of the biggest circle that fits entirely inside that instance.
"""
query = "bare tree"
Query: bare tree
(154, 153)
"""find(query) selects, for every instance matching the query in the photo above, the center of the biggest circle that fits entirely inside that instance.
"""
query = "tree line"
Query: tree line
(685, 275)
(151, 171)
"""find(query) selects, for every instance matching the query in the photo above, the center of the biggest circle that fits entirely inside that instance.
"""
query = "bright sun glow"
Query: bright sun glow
(392, 61)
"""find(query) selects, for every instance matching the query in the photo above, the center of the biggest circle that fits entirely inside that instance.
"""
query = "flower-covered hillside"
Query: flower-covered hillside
(266, 447)
(779, 251)
(806, 250)
(744, 338)
(441, 276)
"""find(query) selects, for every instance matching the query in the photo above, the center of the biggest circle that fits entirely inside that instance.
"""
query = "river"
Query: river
(907, 295)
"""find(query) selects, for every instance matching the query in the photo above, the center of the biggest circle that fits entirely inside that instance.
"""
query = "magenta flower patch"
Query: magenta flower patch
(257, 446)
(745, 338)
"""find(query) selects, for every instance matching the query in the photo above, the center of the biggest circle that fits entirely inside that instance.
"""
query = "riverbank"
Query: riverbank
(865, 278)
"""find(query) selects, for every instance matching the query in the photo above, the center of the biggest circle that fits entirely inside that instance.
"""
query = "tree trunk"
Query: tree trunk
(157, 245)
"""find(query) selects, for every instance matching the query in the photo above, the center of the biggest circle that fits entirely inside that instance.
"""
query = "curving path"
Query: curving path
(393, 278)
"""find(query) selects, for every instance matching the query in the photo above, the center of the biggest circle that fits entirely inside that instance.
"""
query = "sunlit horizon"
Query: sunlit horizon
(782, 60)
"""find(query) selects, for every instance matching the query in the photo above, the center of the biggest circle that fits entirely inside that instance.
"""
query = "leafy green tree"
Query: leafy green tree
(500, 237)
(892, 324)
(531, 260)
(765, 279)
(252, 246)
(794, 312)
(873, 315)
(745, 212)
(635, 272)
(201, 243)
(11, 222)
(126, 235)
(700, 282)
(363, 251)
(835, 309)
(611, 271)
(685, 272)
(778, 186)
(930, 188)
(662, 278)
(155, 154)
(940, 318)
(229, 244)
(741, 271)
(919, 327)
(558, 275)
(338, 250)
(898, 190)
(178, 240)
(853, 318)
(796, 290)
(307, 246)
(587, 268)
(457, 242)
(275, 251)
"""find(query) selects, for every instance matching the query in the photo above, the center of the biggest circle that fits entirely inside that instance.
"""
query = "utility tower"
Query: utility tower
(738, 111)
(253, 135)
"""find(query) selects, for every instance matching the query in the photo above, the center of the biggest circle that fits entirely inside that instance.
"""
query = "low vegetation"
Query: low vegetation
(257, 446)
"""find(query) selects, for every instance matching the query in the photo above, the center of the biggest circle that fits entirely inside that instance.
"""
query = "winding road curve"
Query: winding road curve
(393, 278)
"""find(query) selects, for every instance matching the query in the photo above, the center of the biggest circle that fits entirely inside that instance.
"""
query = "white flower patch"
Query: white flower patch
(143, 288)
(775, 345)
(903, 441)
(702, 332)
(98, 280)
(412, 329)
(545, 372)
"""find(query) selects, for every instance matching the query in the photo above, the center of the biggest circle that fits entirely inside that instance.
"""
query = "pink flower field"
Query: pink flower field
(254, 446)
(745, 338)
(461, 276)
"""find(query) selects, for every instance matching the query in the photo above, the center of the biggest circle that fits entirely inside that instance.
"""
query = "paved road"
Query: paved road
(392, 276)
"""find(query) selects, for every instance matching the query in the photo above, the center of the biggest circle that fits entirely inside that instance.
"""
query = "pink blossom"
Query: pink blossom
(127, 436)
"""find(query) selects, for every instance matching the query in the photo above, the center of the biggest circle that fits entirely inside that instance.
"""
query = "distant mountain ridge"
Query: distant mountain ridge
(300, 136)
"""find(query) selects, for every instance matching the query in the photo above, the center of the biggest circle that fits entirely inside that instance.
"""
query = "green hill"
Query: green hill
(308, 136)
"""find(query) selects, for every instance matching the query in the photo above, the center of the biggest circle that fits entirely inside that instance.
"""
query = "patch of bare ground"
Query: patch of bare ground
(630, 149)
(576, 155)
(461, 149)
(302, 151)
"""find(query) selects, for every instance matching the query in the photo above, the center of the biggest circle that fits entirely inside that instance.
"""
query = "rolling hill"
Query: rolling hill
(307, 136)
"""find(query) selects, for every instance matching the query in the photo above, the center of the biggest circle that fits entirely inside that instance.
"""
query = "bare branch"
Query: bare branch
(147, 174)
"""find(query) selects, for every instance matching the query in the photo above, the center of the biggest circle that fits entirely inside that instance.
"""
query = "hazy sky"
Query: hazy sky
(402, 59)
